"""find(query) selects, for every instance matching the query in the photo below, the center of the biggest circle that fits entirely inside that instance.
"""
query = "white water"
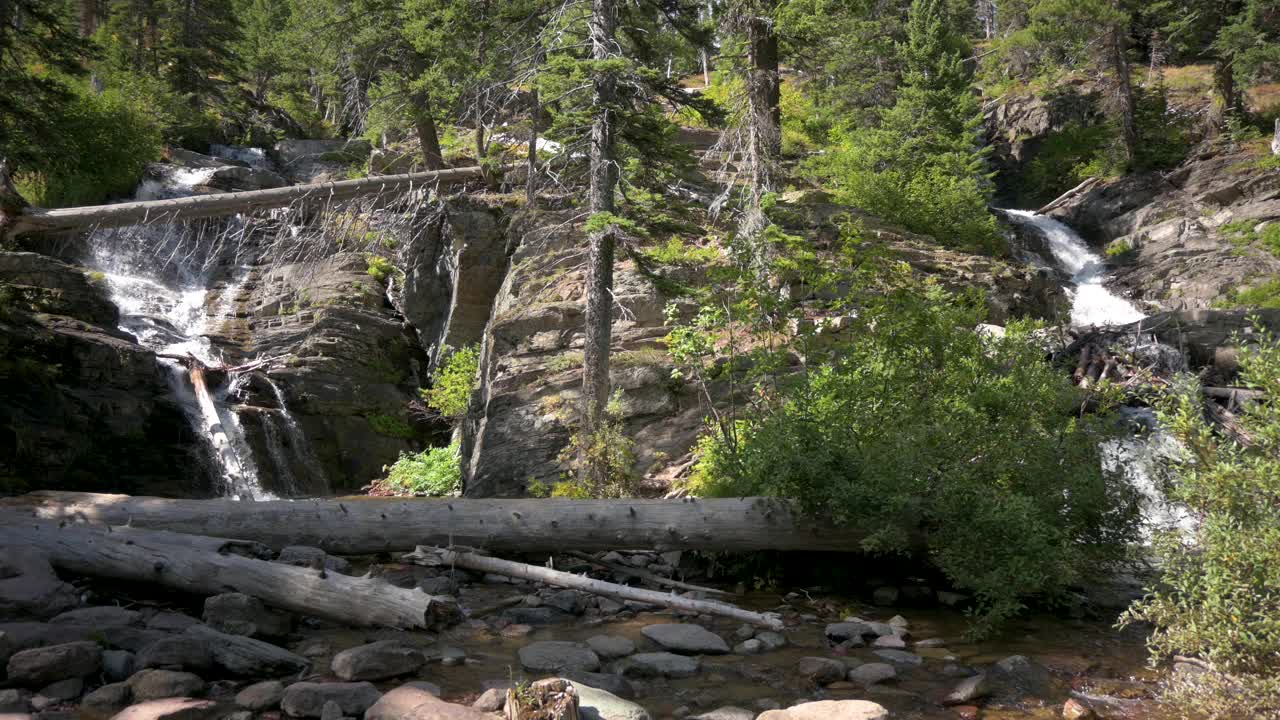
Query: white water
(297, 443)
(1091, 303)
(162, 303)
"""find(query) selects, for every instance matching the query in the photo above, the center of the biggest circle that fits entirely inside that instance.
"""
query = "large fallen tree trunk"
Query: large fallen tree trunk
(32, 219)
(361, 525)
(210, 566)
(440, 557)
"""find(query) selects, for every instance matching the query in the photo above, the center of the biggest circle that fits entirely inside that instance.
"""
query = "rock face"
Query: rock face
(78, 395)
(1186, 239)
(1018, 125)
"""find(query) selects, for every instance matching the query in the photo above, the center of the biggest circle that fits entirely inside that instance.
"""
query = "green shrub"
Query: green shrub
(391, 426)
(1219, 595)
(453, 382)
(919, 428)
(1067, 157)
(380, 268)
(1119, 248)
(677, 252)
(1263, 295)
(437, 471)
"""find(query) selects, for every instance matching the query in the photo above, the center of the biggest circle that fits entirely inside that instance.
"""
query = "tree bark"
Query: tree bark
(30, 219)
(366, 525)
(141, 556)
(1124, 88)
(764, 107)
(1228, 101)
(88, 18)
(437, 557)
(425, 125)
(604, 179)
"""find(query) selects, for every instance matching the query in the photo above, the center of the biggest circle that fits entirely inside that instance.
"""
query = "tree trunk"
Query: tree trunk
(531, 160)
(30, 219)
(1124, 88)
(88, 18)
(366, 525)
(436, 557)
(1228, 101)
(604, 179)
(142, 556)
(425, 125)
(764, 107)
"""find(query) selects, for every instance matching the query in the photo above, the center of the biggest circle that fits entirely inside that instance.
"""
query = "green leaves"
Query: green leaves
(433, 472)
(453, 382)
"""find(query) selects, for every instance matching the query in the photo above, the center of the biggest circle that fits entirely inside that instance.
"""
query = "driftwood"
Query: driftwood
(436, 557)
(644, 575)
(20, 220)
(365, 525)
(209, 566)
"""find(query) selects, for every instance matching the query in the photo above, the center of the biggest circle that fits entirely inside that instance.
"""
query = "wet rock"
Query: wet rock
(744, 632)
(535, 615)
(441, 585)
(409, 702)
(313, 557)
(107, 700)
(930, 643)
(14, 701)
(425, 686)
(29, 587)
(261, 696)
(951, 599)
(900, 657)
(182, 652)
(660, 664)
(101, 616)
(772, 640)
(748, 647)
(247, 657)
(872, 673)
(1073, 709)
(829, 710)
(821, 671)
(1017, 677)
(172, 709)
(307, 699)
(331, 711)
(491, 700)
(63, 690)
(729, 712)
(890, 641)
(885, 595)
(553, 656)
(516, 630)
(968, 690)
(596, 704)
(40, 666)
(152, 684)
(568, 601)
(171, 622)
(686, 639)
(849, 630)
(608, 606)
(378, 661)
(611, 647)
(118, 665)
(451, 656)
(240, 614)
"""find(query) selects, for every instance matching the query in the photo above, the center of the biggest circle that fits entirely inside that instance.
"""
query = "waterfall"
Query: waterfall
(160, 284)
(297, 441)
(1091, 303)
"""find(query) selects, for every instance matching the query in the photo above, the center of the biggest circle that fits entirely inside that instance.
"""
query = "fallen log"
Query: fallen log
(440, 557)
(229, 458)
(209, 566)
(21, 220)
(644, 575)
(365, 525)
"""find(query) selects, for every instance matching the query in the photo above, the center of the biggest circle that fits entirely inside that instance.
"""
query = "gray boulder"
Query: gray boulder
(240, 614)
(1018, 677)
(173, 709)
(660, 664)
(152, 684)
(101, 616)
(265, 695)
(729, 712)
(411, 702)
(171, 622)
(62, 691)
(40, 666)
(900, 657)
(872, 673)
(118, 665)
(180, 652)
(686, 639)
(608, 682)
(849, 630)
(611, 647)
(29, 587)
(14, 700)
(107, 700)
(378, 661)
(968, 690)
(554, 656)
(829, 710)
(307, 699)
(596, 704)
(821, 671)
(247, 657)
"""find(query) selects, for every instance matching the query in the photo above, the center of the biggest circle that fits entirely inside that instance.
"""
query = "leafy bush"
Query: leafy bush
(919, 429)
(391, 426)
(453, 382)
(436, 471)
(1067, 157)
(608, 451)
(1262, 295)
(380, 268)
(1219, 596)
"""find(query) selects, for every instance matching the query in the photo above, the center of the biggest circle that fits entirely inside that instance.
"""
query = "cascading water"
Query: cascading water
(162, 291)
(1092, 303)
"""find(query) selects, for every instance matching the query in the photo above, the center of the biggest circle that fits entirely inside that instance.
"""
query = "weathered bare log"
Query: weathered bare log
(645, 575)
(1238, 395)
(362, 525)
(143, 556)
(32, 219)
(229, 459)
(440, 557)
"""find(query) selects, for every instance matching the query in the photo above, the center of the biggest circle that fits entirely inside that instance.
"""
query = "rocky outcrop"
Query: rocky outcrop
(1018, 125)
(1191, 238)
(82, 405)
